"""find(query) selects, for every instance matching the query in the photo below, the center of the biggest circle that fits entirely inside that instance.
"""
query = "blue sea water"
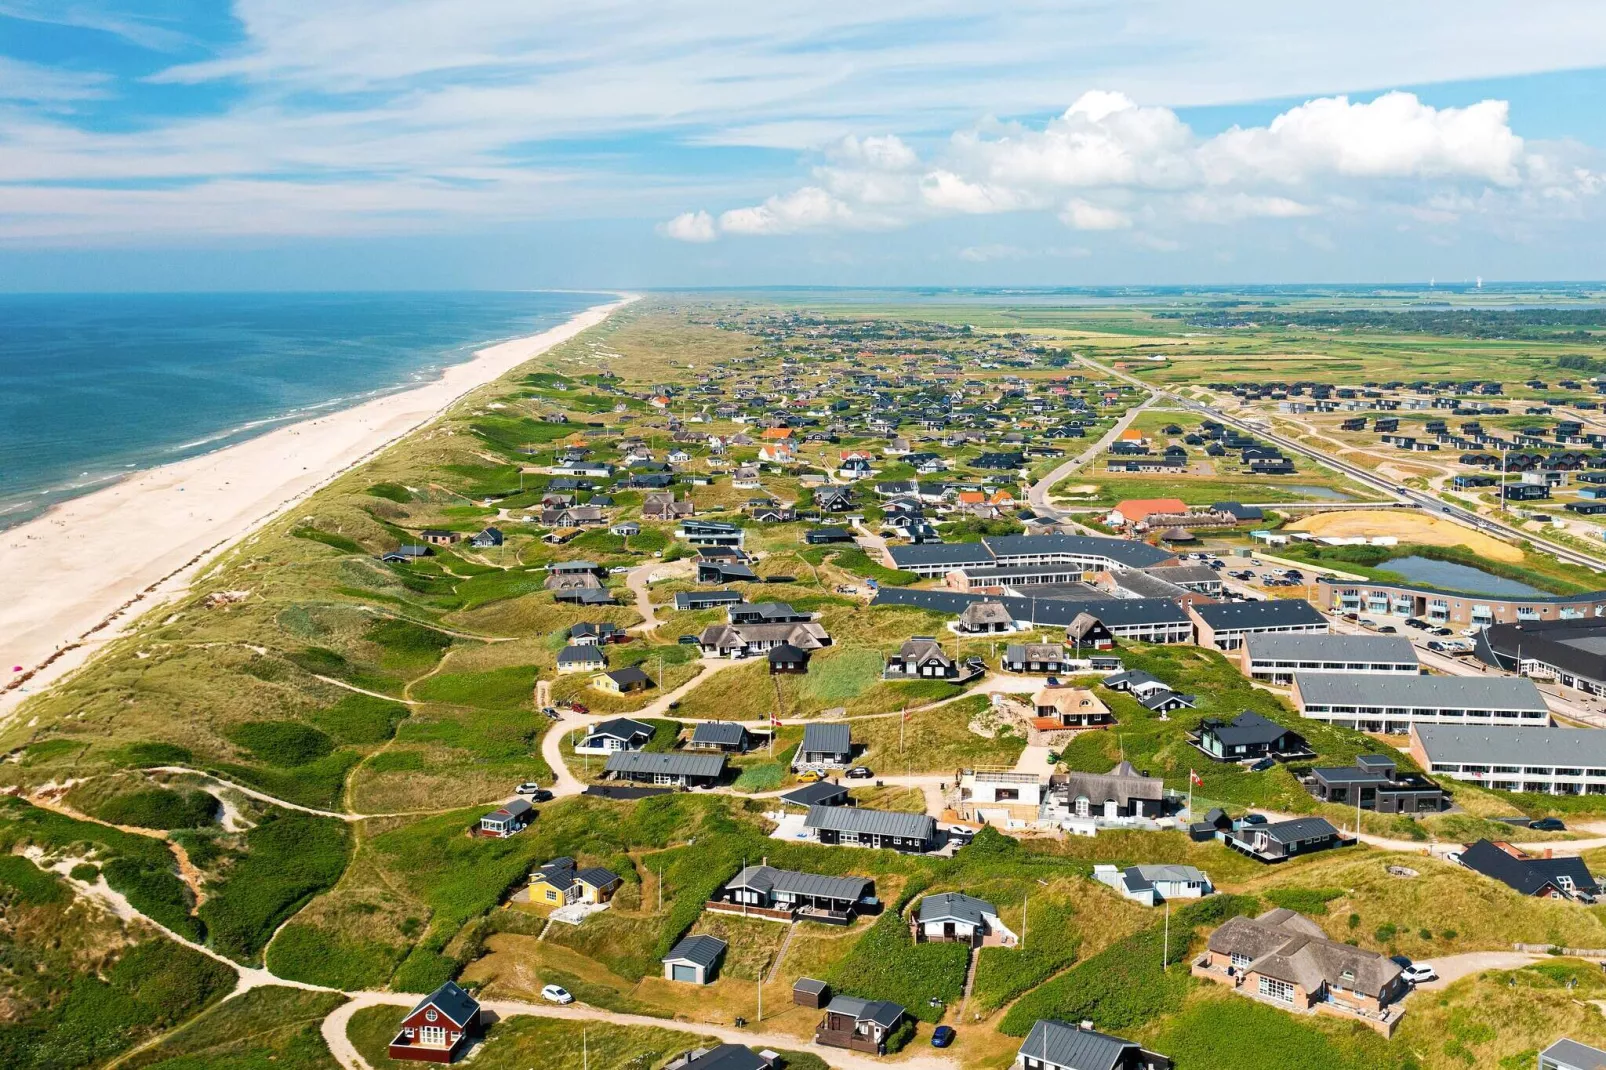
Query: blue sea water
(94, 386)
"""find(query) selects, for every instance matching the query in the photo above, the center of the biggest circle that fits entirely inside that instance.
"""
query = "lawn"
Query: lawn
(266, 1027)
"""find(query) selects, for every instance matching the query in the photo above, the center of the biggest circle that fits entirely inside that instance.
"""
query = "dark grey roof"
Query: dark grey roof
(702, 950)
(581, 655)
(626, 728)
(955, 906)
(770, 879)
(675, 764)
(882, 1012)
(1271, 613)
(826, 739)
(809, 984)
(630, 674)
(1528, 876)
(1066, 1045)
(1314, 646)
(596, 876)
(685, 600)
(1247, 727)
(727, 1057)
(872, 822)
(451, 1001)
(1126, 552)
(940, 553)
(1296, 829)
(1537, 745)
(817, 794)
(1573, 1056)
(1435, 692)
(720, 733)
(1054, 612)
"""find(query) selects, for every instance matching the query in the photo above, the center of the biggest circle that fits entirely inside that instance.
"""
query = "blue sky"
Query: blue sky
(446, 143)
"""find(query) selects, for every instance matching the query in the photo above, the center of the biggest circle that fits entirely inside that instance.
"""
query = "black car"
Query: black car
(860, 772)
(687, 640)
(1548, 824)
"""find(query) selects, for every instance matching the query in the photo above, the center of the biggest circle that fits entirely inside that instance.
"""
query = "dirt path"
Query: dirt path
(262, 796)
(640, 580)
(334, 1031)
(186, 869)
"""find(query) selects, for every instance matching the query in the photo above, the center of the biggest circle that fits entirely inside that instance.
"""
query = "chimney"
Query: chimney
(1086, 1025)
(765, 861)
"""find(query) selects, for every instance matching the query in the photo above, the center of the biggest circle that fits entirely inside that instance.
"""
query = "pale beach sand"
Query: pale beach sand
(87, 568)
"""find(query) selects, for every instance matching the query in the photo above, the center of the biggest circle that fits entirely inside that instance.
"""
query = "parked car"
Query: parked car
(1442, 631)
(556, 994)
(579, 707)
(1419, 973)
(1548, 824)
(687, 640)
(808, 776)
(1453, 857)
(1253, 819)
(1367, 622)
(529, 787)
(942, 1036)
(1263, 765)
(619, 570)
(860, 772)
(1387, 629)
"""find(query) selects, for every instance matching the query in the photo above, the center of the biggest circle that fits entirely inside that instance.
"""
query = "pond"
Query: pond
(1449, 576)
(1326, 494)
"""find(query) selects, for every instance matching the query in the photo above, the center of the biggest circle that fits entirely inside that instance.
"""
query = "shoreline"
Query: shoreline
(90, 565)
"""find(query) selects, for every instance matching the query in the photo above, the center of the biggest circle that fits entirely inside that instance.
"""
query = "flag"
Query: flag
(905, 715)
(775, 720)
(1195, 779)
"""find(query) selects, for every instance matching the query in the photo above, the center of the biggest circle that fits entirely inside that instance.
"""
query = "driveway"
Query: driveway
(1452, 968)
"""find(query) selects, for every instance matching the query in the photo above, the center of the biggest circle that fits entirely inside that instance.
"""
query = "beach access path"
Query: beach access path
(82, 572)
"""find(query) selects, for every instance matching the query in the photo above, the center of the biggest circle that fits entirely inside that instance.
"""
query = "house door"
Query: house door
(679, 972)
(948, 930)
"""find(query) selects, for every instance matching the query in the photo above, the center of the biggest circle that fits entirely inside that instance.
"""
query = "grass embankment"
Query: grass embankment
(266, 1027)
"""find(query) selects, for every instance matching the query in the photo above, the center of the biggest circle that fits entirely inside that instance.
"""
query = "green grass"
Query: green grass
(282, 743)
(507, 688)
(268, 1028)
(886, 963)
(1002, 974)
(289, 857)
(360, 720)
(1233, 1033)
(160, 808)
(519, 1042)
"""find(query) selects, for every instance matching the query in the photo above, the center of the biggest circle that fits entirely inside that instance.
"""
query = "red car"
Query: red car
(578, 708)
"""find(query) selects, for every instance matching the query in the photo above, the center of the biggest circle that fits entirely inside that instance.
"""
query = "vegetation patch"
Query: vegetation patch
(282, 743)
(886, 963)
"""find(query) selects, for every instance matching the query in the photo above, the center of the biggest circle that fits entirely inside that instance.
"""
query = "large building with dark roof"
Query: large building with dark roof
(1572, 652)
(1453, 608)
(1530, 758)
(1030, 559)
(1226, 625)
(1149, 620)
(1276, 656)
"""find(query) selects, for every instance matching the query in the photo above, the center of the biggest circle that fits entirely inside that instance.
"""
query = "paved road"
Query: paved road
(1451, 968)
(1037, 493)
(334, 1031)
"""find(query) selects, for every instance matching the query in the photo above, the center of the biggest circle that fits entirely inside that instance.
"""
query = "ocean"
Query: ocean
(95, 386)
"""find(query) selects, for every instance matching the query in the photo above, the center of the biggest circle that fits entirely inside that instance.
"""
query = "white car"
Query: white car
(1453, 857)
(1419, 973)
(556, 994)
(620, 570)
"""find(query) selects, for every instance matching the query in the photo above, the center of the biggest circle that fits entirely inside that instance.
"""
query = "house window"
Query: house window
(1240, 961)
(433, 1036)
(1281, 991)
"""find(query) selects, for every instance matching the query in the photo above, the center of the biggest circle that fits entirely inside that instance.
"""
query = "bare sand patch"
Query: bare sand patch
(1407, 526)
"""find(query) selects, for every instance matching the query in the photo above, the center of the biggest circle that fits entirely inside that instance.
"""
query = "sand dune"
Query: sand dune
(78, 574)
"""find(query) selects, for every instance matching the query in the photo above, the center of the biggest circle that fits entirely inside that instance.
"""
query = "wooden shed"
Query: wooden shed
(811, 993)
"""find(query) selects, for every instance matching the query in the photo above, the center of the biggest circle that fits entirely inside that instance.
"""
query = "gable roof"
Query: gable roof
(1073, 1048)
(1522, 875)
(1271, 613)
(1247, 727)
(450, 1000)
(882, 1012)
(955, 906)
(826, 738)
(719, 733)
(1290, 947)
(769, 879)
(673, 764)
(727, 1057)
(625, 728)
(870, 822)
(816, 794)
(702, 950)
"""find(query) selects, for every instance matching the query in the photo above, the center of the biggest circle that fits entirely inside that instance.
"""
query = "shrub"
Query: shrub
(1425, 933)
(1448, 934)
(289, 858)
(361, 719)
(328, 538)
(87, 872)
(154, 890)
(1354, 921)
(144, 755)
(887, 964)
(160, 808)
(1004, 973)
(1303, 900)
(1385, 932)
(282, 743)
(23, 882)
(392, 492)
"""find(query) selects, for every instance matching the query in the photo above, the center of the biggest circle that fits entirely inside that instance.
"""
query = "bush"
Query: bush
(87, 872)
(361, 719)
(1303, 900)
(328, 538)
(289, 858)
(1354, 921)
(154, 890)
(392, 492)
(887, 964)
(282, 743)
(160, 808)
(1004, 973)
(23, 882)
(144, 755)
(1385, 932)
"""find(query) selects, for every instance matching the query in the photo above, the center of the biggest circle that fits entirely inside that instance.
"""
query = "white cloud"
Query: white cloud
(1107, 163)
(690, 227)
(1085, 215)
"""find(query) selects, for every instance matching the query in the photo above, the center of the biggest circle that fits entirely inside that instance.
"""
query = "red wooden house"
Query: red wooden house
(439, 1028)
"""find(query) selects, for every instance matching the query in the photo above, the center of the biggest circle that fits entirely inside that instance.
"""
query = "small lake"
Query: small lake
(1449, 576)
(1327, 494)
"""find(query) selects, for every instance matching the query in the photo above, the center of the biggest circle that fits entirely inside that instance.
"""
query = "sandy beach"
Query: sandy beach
(84, 570)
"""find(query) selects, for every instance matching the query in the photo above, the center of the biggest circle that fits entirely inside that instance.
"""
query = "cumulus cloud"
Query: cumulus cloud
(689, 227)
(1109, 163)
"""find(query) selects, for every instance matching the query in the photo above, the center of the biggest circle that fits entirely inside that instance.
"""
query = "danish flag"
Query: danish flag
(1195, 779)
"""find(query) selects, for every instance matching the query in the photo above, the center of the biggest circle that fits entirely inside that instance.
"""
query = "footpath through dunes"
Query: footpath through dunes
(86, 569)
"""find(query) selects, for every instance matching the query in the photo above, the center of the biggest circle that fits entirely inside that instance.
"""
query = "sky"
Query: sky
(265, 144)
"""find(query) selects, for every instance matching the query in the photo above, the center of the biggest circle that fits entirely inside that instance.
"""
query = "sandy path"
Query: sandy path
(1451, 968)
(82, 572)
(334, 1031)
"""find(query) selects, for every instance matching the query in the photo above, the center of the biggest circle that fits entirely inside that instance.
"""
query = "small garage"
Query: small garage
(811, 993)
(695, 960)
